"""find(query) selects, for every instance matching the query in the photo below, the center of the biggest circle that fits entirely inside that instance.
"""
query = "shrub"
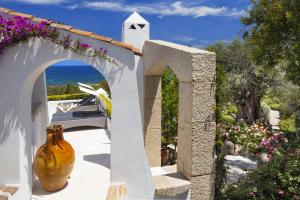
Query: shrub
(265, 111)
(279, 179)
(231, 109)
(227, 119)
(67, 96)
(288, 125)
(72, 88)
(275, 106)
(248, 136)
(220, 169)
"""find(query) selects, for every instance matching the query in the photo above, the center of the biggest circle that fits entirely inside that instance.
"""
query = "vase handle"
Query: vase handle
(48, 144)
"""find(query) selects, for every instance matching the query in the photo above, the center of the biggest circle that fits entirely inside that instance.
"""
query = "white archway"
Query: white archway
(20, 68)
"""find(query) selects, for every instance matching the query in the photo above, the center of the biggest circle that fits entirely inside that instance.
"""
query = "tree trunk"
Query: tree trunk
(249, 106)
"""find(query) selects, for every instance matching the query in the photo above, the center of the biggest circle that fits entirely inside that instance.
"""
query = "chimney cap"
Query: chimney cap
(136, 18)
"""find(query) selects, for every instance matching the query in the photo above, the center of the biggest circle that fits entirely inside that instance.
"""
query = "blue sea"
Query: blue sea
(61, 75)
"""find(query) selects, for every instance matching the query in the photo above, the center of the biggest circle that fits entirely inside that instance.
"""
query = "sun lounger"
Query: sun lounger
(86, 112)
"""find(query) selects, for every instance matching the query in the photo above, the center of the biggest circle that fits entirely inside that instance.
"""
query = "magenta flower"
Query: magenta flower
(16, 29)
(84, 45)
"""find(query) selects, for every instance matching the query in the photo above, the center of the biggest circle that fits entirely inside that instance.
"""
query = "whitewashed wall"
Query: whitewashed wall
(21, 66)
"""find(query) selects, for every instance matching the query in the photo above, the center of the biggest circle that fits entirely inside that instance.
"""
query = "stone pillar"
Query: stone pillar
(196, 72)
(152, 116)
(196, 133)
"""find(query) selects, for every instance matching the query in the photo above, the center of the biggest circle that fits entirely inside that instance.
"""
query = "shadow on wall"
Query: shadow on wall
(9, 119)
(100, 159)
(38, 48)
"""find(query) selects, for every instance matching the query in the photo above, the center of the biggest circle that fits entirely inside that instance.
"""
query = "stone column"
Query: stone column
(196, 71)
(196, 133)
(152, 114)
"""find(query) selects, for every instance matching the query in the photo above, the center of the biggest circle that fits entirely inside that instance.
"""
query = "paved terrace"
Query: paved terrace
(90, 178)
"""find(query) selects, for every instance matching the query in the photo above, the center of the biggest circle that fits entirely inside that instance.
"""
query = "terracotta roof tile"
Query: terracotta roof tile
(103, 38)
(130, 47)
(81, 32)
(5, 10)
(122, 44)
(137, 52)
(35, 19)
(20, 14)
(61, 26)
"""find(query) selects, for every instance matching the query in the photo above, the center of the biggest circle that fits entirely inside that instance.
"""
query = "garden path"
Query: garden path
(274, 119)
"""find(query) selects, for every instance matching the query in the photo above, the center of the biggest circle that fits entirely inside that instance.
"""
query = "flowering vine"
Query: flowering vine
(17, 29)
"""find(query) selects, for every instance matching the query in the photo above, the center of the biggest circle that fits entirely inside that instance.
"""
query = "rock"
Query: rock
(238, 166)
(229, 148)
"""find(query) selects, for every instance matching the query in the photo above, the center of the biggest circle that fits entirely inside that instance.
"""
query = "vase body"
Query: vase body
(54, 160)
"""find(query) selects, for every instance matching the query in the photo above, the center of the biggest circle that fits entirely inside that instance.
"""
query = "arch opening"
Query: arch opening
(169, 115)
(86, 121)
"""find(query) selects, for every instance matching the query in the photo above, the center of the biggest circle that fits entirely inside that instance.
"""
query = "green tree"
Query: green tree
(222, 89)
(169, 107)
(71, 88)
(239, 80)
(274, 31)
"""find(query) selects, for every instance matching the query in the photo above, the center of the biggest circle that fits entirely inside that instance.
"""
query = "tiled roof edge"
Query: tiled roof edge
(130, 47)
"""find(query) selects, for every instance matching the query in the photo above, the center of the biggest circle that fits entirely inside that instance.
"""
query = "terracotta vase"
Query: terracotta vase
(54, 160)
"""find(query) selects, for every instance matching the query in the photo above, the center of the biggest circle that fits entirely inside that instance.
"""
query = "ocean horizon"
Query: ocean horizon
(62, 75)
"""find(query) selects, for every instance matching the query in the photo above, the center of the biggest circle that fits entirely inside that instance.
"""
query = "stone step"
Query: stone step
(170, 185)
(117, 192)
(6, 191)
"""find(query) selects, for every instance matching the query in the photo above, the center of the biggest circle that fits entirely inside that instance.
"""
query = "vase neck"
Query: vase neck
(59, 132)
(54, 134)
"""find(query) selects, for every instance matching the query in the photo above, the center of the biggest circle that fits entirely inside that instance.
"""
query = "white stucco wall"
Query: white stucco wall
(40, 117)
(137, 38)
(21, 66)
(137, 35)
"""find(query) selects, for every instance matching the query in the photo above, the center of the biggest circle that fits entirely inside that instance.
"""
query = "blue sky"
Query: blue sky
(190, 22)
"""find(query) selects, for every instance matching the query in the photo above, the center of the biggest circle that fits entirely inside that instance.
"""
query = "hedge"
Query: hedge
(67, 96)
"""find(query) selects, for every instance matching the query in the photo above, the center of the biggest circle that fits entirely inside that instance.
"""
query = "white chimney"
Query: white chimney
(135, 30)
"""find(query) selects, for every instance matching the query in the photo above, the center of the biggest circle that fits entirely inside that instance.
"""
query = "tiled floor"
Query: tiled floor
(90, 178)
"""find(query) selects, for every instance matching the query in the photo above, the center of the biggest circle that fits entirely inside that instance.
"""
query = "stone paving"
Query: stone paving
(274, 119)
(90, 178)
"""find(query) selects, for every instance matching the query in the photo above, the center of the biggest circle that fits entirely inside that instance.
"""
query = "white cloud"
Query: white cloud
(44, 2)
(72, 7)
(182, 38)
(177, 8)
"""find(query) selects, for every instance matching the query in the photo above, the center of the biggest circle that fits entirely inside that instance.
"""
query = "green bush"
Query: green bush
(67, 96)
(275, 106)
(232, 109)
(227, 119)
(274, 102)
(288, 125)
(277, 180)
(265, 109)
(72, 88)
(248, 136)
